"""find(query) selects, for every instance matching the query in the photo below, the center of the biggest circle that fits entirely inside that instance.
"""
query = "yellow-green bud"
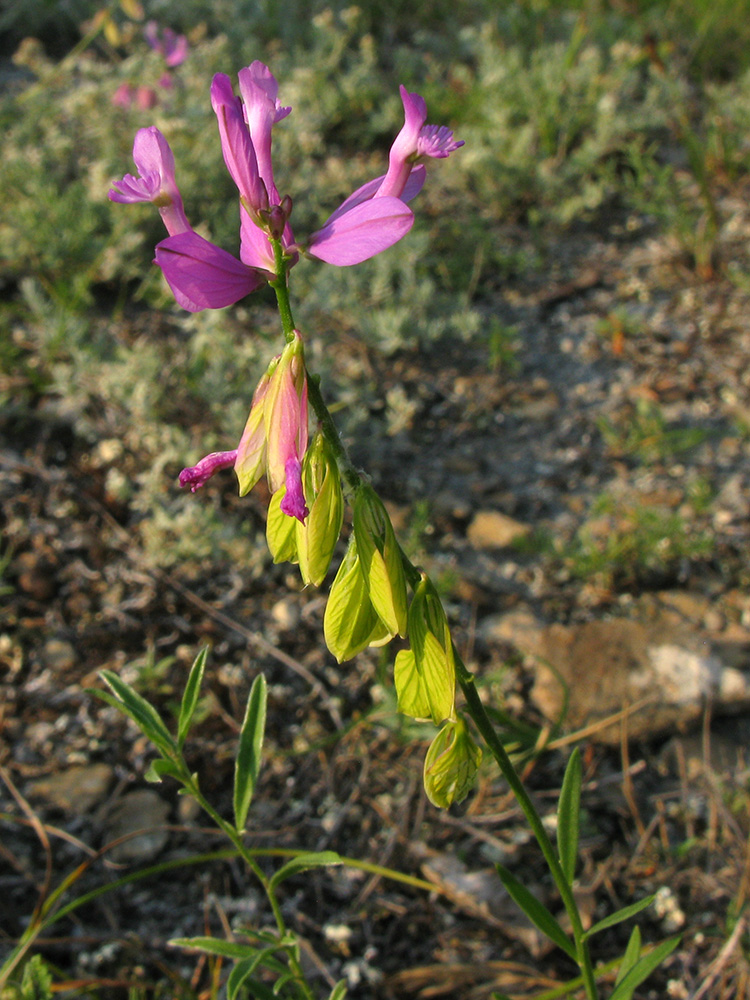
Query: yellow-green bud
(451, 764)
(381, 559)
(350, 623)
(317, 537)
(280, 530)
(430, 639)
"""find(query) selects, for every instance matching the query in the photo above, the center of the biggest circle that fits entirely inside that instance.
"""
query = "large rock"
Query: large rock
(662, 668)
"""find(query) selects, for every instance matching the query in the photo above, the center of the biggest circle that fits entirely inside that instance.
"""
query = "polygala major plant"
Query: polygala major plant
(377, 592)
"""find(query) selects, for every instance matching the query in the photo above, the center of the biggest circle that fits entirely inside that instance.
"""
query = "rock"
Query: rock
(286, 614)
(588, 672)
(58, 655)
(140, 810)
(75, 790)
(489, 529)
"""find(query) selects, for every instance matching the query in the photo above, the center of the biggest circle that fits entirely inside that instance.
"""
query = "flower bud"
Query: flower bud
(434, 665)
(381, 560)
(451, 764)
(251, 451)
(285, 419)
(351, 623)
(317, 537)
(280, 530)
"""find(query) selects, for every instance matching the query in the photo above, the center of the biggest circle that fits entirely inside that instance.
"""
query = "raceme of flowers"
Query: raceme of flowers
(205, 276)
(373, 218)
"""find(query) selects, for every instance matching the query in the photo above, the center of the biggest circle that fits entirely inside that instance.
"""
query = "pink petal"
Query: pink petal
(365, 230)
(202, 275)
(198, 475)
(236, 145)
(293, 501)
(413, 187)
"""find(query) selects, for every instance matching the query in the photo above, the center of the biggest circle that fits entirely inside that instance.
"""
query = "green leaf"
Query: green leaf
(303, 862)
(247, 764)
(631, 956)
(430, 640)
(537, 912)
(350, 623)
(215, 946)
(190, 696)
(410, 687)
(620, 915)
(161, 768)
(569, 815)
(259, 991)
(139, 710)
(281, 531)
(339, 990)
(642, 969)
(244, 968)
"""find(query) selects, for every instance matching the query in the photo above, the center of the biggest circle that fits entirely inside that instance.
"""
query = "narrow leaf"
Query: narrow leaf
(568, 816)
(248, 753)
(643, 969)
(215, 946)
(139, 710)
(631, 956)
(246, 966)
(315, 859)
(620, 915)
(190, 696)
(339, 990)
(160, 768)
(537, 912)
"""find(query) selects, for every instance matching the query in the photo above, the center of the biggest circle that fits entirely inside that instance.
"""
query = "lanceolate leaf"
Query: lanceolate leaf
(244, 968)
(631, 956)
(339, 990)
(249, 751)
(215, 946)
(315, 859)
(139, 710)
(568, 816)
(190, 697)
(643, 969)
(620, 915)
(537, 912)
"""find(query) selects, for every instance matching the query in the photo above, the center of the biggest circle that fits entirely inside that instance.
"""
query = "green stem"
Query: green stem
(482, 721)
(279, 285)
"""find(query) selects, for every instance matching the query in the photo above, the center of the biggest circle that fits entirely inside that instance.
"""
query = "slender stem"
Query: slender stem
(279, 285)
(477, 711)
(350, 475)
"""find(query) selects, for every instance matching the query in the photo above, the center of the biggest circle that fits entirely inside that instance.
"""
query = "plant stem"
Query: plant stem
(279, 285)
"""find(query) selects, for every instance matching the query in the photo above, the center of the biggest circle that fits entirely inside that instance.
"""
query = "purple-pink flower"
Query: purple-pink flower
(168, 43)
(275, 437)
(373, 218)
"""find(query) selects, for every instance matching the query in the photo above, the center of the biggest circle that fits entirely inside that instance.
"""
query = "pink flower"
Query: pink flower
(375, 216)
(172, 46)
(275, 437)
(155, 181)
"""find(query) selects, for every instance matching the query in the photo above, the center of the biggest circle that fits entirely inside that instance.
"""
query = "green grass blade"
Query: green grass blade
(537, 912)
(247, 765)
(568, 816)
(190, 696)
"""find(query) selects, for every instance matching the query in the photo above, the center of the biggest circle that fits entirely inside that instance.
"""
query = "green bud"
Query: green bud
(280, 530)
(317, 537)
(431, 643)
(350, 623)
(451, 764)
(410, 687)
(381, 558)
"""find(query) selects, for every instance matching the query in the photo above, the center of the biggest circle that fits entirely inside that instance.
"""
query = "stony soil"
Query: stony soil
(629, 379)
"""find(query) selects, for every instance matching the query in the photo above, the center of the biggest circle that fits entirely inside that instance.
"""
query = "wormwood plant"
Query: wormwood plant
(378, 593)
